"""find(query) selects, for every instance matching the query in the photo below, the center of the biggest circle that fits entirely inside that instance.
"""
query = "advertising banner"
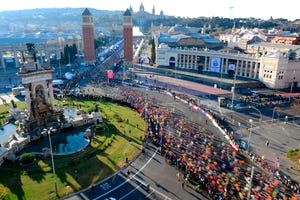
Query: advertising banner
(110, 74)
(231, 67)
(215, 64)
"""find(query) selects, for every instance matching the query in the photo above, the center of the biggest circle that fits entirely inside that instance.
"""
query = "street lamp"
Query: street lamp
(52, 160)
(221, 78)
(59, 69)
(275, 108)
(286, 119)
(292, 84)
(250, 183)
(260, 115)
(233, 90)
(250, 132)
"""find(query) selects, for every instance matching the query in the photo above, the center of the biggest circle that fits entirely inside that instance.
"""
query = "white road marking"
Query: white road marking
(113, 189)
(131, 192)
(153, 190)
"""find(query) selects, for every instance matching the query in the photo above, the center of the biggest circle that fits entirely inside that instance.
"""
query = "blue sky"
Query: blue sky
(185, 8)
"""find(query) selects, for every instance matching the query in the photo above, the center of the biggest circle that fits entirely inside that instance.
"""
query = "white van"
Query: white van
(18, 91)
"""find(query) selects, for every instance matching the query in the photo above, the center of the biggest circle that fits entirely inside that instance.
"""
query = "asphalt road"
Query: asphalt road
(151, 177)
(147, 169)
(151, 169)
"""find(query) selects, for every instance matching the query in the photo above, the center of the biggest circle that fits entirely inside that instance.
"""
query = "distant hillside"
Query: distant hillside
(50, 17)
(68, 20)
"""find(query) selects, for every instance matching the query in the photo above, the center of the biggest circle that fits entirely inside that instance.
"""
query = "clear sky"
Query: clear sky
(263, 9)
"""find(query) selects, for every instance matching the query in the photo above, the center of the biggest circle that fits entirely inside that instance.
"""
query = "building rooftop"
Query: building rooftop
(86, 12)
(173, 39)
(127, 13)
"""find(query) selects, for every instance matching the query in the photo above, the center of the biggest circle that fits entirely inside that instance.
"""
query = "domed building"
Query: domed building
(142, 18)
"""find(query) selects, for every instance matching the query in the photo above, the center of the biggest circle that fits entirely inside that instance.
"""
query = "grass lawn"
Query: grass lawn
(106, 155)
(4, 109)
(294, 156)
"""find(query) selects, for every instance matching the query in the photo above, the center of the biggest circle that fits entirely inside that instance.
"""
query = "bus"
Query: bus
(18, 91)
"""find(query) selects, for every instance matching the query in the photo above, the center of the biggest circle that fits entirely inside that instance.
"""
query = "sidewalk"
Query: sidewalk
(7, 97)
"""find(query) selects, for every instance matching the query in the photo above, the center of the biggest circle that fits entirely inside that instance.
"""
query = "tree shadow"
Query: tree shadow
(12, 172)
(11, 179)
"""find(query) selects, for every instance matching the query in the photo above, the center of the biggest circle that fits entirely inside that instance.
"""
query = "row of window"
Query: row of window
(243, 68)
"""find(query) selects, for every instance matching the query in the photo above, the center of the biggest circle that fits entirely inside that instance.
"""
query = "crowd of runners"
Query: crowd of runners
(205, 161)
(208, 162)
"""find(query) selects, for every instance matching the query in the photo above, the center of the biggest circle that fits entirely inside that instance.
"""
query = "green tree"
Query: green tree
(101, 41)
(69, 54)
(153, 53)
(27, 158)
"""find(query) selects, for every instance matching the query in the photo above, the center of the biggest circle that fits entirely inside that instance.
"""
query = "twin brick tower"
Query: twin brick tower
(88, 36)
(37, 79)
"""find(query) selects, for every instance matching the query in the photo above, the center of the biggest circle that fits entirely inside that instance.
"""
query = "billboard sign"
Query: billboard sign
(215, 64)
(110, 74)
(231, 67)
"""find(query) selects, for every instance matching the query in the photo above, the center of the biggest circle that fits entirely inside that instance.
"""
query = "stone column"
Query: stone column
(226, 65)
(237, 67)
(241, 67)
(222, 66)
(256, 70)
(245, 69)
(194, 61)
(183, 61)
(180, 61)
(250, 69)
(51, 94)
(205, 63)
(46, 91)
(27, 97)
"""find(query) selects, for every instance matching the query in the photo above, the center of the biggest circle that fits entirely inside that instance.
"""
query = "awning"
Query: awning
(296, 94)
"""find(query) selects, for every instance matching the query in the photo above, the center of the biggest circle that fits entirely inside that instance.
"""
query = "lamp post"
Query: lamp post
(274, 109)
(233, 90)
(250, 183)
(52, 160)
(59, 66)
(260, 115)
(249, 137)
(221, 77)
(292, 84)
(286, 119)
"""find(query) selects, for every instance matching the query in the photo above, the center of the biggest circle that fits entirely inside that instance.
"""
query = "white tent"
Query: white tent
(69, 75)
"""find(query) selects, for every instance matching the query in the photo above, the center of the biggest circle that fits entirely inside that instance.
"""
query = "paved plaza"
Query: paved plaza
(6, 97)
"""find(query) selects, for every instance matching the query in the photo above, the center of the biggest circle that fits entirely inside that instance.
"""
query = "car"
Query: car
(253, 93)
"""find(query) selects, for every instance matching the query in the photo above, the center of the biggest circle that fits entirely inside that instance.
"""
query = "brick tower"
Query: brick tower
(88, 36)
(128, 36)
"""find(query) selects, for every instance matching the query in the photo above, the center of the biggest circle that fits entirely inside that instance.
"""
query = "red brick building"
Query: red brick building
(128, 36)
(88, 36)
(281, 39)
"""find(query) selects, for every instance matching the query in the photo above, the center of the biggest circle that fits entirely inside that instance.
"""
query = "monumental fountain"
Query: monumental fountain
(37, 82)
(40, 114)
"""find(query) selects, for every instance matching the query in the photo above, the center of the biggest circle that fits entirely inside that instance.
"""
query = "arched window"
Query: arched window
(172, 62)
